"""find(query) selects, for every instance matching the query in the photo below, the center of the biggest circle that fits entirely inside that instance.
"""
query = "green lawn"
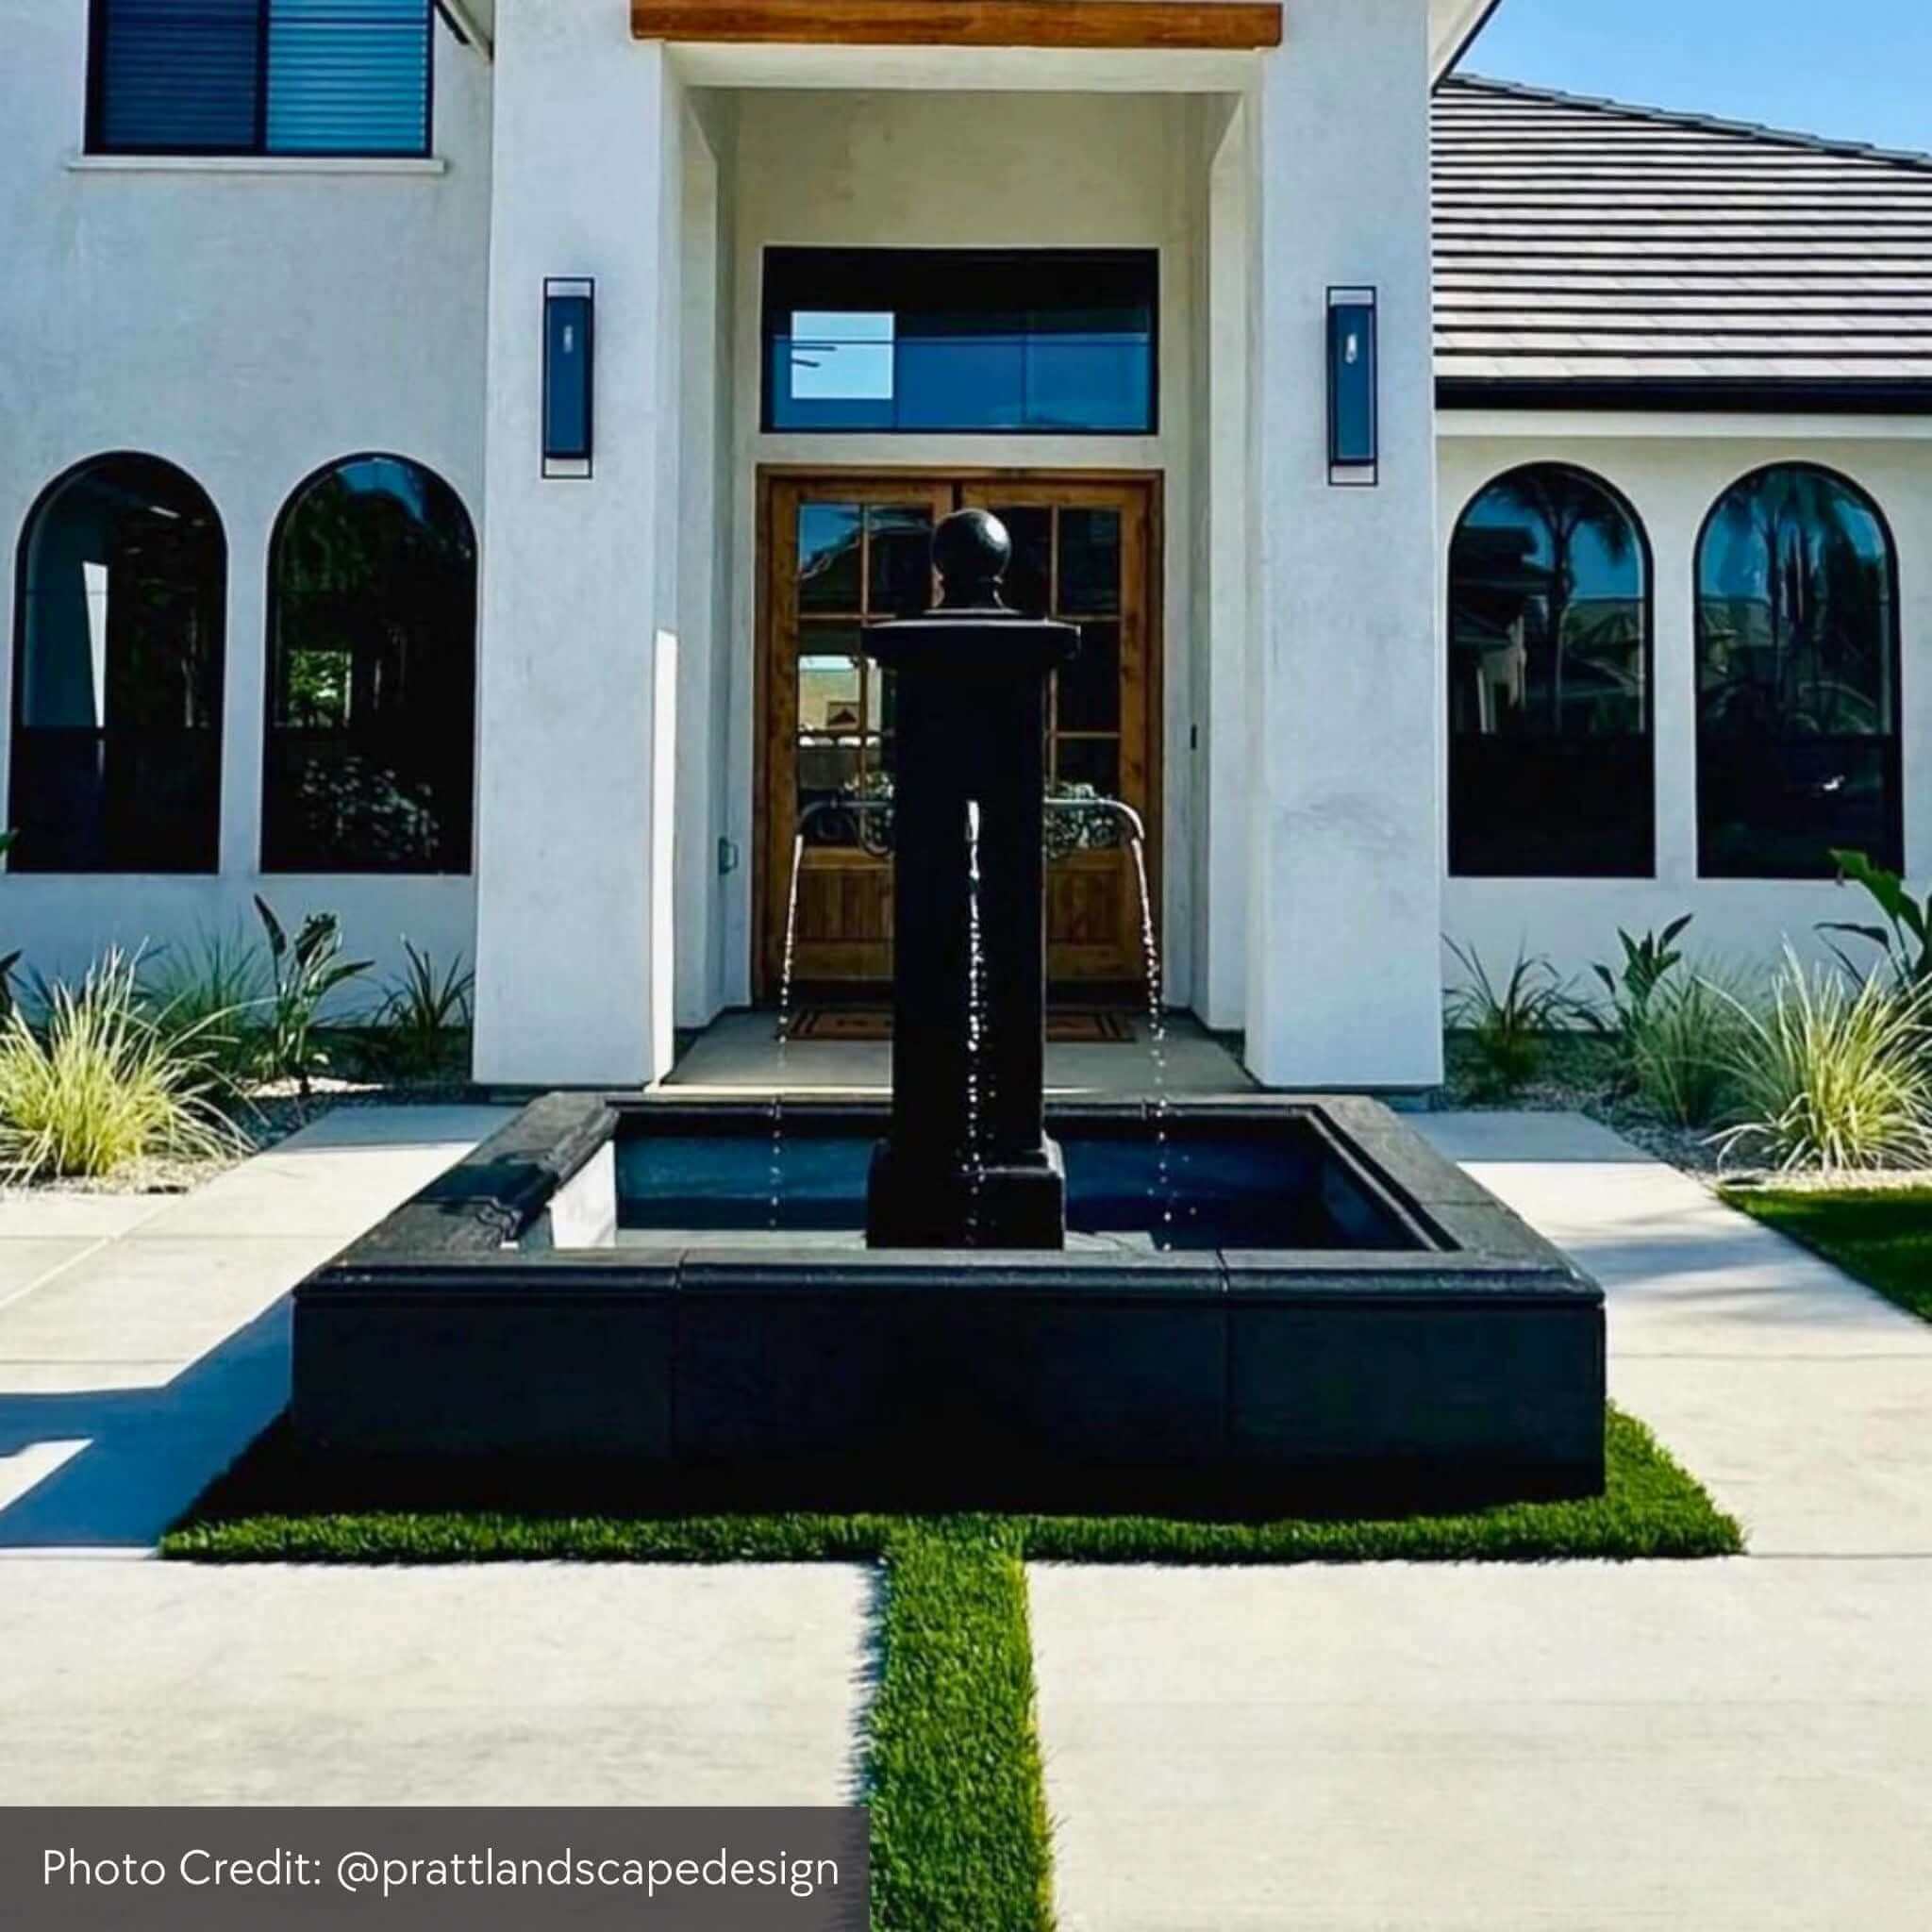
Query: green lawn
(959, 1830)
(1881, 1235)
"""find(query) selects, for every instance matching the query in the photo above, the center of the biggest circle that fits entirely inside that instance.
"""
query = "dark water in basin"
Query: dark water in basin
(1281, 1185)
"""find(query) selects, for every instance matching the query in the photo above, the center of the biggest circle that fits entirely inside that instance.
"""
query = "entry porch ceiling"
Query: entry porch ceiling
(1181, 27)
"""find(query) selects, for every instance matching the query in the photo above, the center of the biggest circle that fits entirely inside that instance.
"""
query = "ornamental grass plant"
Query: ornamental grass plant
(1683, 1048)
(97, 1084)
(1832, 1073)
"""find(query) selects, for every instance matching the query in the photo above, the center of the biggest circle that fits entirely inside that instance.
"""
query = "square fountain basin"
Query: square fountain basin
(1257, 1294)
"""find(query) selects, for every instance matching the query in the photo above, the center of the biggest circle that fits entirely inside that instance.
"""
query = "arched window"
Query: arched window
(372, 674)
(117, 687)
(1798, 679)
(1550, 758)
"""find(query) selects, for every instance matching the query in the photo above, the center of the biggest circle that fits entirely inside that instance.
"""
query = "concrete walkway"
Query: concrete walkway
(143, 1683)
(144, 1342)
(1728, 1745)
(144, 1339)
(1800, 1398)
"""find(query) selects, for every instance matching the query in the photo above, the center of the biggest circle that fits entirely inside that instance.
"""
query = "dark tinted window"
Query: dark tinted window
(252, 77)
(372, 674)
(117, 707)
(1550, 758)
(960, 340)
(1798, 679)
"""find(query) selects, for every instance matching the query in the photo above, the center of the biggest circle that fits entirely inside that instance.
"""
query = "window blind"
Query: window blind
(253, 77)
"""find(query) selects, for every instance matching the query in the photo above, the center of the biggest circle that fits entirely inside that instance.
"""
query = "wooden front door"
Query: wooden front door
(843, 551)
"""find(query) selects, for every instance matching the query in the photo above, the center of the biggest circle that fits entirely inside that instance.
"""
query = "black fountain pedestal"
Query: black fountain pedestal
(967, 1161)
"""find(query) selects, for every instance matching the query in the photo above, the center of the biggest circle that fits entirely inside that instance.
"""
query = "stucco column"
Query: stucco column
(1221, 960)
(1344, 882)
(573, 953)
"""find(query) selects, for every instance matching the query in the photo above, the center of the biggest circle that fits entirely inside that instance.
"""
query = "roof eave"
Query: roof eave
(1715, 395)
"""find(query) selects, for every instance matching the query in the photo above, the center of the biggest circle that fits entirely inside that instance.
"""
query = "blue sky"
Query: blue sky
(1859, 69)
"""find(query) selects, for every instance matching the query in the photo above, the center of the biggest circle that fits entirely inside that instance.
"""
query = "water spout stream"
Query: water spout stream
(1157, 1039)
(778, 1165)
(1164, 1194)
(977, 1097)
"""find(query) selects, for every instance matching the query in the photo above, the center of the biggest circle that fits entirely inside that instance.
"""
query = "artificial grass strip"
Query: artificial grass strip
(273, 1507)
(1882, 1236)
(487, 1535)
(953, 1767)
(1652, 1510)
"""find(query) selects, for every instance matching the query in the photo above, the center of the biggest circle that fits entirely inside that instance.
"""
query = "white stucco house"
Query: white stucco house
(448, 452)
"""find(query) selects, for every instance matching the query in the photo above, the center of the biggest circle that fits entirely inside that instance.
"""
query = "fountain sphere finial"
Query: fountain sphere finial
(971, 551)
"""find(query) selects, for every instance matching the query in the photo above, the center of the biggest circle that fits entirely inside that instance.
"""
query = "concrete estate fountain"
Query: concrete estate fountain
(943, 1304)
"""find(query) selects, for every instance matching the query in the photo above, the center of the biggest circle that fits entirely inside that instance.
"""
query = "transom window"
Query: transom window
(1050, 342)
(260, 76)
(1798, 749)
(1550, 753)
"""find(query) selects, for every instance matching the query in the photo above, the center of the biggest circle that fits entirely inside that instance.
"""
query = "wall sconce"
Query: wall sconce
(570, 306)
(1354, 449)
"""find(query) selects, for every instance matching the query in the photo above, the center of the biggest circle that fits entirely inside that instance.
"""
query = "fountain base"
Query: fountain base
(913, 1201)
(1260, 1298)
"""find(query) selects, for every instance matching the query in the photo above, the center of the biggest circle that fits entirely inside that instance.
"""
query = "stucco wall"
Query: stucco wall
(581, 618)
(1344, 872)
(1672, 472)
(249, 326)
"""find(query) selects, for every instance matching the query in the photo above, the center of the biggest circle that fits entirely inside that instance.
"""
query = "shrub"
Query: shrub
(1833, 1073)
(100, 1085)
(303, 972)
(1683, 1050)
(1648, 963)
(1509, 1024)
(423, 1012)
(1906, 938)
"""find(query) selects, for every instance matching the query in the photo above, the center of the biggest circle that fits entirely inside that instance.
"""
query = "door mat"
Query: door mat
(862, 1023)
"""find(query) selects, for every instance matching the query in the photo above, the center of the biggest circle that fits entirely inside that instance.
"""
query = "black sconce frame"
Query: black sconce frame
(568, 419)
(1355, 403)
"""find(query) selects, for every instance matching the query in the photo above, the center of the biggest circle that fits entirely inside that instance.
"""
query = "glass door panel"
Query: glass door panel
(1080, 554)
(845, 553)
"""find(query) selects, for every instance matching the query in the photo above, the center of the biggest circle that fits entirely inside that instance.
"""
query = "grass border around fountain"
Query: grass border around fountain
(278, 1505)
(952, 1772)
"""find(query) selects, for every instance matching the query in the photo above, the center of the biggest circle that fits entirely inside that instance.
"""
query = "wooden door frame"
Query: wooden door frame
(888, 476)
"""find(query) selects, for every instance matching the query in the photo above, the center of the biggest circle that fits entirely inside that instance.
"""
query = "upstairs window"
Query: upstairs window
(1798, 745)
(260, 77)
(1550, 750)
(947, 340)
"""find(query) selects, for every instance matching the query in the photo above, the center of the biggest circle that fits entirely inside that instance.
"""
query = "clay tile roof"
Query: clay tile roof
(1592, 253)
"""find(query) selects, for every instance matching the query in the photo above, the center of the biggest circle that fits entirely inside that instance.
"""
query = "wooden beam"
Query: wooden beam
(1219, 25)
